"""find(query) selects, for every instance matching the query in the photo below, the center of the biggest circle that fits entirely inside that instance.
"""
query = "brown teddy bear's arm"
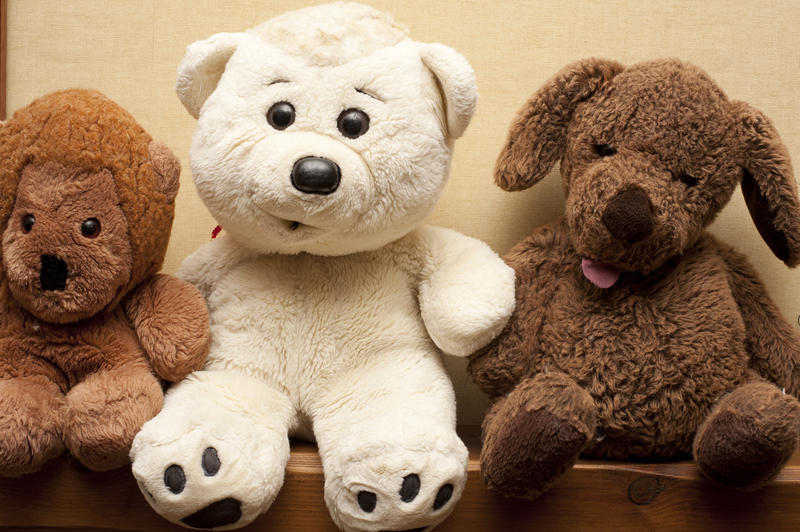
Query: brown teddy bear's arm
(773, 346)
(510, 357)
(171, 320)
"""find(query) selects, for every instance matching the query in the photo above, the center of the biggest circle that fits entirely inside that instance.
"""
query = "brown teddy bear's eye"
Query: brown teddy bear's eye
(353, 123)
(604, 150)
(90, 228)
(687, 179)
(27, 223)
(281, 115)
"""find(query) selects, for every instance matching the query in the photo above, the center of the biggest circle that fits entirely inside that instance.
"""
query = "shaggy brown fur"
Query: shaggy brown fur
(86, 205)
(683, 349)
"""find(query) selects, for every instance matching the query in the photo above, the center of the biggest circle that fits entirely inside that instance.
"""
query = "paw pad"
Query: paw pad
(443, 496)
(210, 462)
(174, 478)
(367, 500)
(221, 513)
(410, 488)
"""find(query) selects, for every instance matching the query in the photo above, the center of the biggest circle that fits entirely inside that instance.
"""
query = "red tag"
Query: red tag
(215, 232)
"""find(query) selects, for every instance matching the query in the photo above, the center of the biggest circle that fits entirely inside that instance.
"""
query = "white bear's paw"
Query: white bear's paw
(210, 476)
(395, 489)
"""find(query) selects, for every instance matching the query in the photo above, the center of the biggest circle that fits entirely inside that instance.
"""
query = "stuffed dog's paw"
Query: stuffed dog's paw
(535, 434)
(748, 438)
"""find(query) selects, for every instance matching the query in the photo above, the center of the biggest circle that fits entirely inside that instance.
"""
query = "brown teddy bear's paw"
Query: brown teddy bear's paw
(532, 436)
(30, 425)
(105, 411)
(748, 437)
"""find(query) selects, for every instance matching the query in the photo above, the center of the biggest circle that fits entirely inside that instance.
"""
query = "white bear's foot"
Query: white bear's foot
(385, 487)
(207, 466)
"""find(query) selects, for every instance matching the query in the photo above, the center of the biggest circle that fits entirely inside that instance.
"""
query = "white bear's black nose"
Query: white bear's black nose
(315, 175)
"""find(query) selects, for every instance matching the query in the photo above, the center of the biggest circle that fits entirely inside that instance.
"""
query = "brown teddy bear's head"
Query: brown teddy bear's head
(649, 156)
(86, 204)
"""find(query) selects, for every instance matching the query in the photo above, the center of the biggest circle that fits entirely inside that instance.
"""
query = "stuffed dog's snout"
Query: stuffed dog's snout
(315, 175)
(629, 216)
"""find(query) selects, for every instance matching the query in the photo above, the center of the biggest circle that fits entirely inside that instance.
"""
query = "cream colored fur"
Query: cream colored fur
(328, 312)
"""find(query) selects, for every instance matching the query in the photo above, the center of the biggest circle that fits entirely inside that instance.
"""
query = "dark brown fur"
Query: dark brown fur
(78, 370)
(687, 330)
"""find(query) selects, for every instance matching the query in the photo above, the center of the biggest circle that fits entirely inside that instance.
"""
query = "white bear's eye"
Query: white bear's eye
(281, 115)
(353, 123)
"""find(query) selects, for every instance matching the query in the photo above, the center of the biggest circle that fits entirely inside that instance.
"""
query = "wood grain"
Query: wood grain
(592, 496)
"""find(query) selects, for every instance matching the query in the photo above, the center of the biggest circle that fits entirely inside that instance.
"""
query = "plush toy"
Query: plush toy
(86, 325)
(324, 137)
(638, 335)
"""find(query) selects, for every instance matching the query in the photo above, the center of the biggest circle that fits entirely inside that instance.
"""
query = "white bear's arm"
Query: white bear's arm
(466, 292)
(210, 262)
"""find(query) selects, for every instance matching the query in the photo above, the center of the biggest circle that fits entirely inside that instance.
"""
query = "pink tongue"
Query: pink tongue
(601, 274)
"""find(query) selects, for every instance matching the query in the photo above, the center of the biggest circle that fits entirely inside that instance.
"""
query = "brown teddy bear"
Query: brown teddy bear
(638, 335)
(86, 327)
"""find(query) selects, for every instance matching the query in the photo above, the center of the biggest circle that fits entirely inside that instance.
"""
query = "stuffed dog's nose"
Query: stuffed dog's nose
(315, 175)
(629, 216)
(53, 275)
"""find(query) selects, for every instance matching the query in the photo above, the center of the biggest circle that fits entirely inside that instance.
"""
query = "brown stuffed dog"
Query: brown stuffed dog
(86, 327)
(636, 334)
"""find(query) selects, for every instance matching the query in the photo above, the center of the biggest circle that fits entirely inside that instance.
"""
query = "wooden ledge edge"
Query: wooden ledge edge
(595, 495)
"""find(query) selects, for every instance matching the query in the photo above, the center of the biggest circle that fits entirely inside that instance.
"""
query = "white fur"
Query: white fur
(332, 330)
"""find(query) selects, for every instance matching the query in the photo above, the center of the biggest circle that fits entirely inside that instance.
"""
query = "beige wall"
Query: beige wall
(129, 49)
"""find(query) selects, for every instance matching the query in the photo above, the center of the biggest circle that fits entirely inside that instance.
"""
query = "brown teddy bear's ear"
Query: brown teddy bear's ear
(537, 137)
(768, 183)
(167, 168)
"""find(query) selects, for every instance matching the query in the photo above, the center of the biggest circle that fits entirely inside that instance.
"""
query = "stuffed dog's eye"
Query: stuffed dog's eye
(353, 123)
(90, 228)
(281, 115)
(604, 150)
(687, 179)
(27, 223)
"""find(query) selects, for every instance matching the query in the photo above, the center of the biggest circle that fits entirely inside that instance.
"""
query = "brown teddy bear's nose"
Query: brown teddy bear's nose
(53, 275)
(629, 216)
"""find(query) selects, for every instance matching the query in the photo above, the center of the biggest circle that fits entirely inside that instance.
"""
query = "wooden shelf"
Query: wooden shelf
(593, 495)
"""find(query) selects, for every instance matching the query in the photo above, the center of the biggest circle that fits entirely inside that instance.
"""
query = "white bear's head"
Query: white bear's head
(325, 130)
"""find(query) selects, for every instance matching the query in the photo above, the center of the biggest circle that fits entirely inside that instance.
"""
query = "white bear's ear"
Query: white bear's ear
(201, 68)
(457, 81)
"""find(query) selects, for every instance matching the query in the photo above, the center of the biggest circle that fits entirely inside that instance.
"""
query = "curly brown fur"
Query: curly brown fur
(749, 436)
(649, 156)
(532, 435)
(86, 212)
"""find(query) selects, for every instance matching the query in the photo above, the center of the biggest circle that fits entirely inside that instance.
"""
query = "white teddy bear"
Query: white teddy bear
(324, 137)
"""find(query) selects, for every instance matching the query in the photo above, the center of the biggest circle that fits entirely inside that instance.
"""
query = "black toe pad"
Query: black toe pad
(367, 500)
(443, 496)
(174, 478)
(410, 488)
(221, 513)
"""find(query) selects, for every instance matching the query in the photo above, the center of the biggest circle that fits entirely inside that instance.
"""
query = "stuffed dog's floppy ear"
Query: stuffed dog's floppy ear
(457, 81)
(537, 137)
(201, 68)
(768, 182)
